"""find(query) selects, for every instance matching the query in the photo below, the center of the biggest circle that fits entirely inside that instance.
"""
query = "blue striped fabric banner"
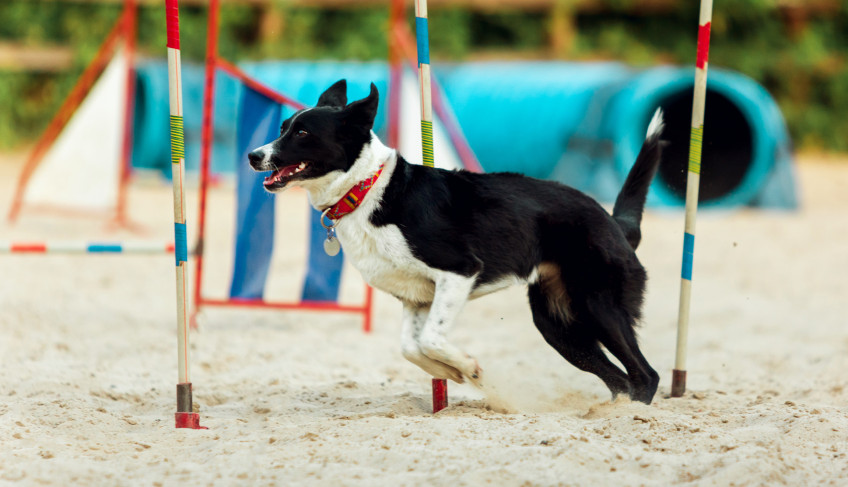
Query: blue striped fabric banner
(180, 243)
(688, 255)
(421, 38)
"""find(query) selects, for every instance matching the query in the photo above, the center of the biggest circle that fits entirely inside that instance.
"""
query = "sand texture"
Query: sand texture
(88, 366)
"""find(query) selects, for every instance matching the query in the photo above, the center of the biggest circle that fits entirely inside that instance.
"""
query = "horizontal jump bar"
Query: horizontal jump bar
(86, 248)
(305, 305)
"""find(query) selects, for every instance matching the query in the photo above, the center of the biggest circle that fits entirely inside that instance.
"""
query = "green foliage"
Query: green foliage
(805, 68)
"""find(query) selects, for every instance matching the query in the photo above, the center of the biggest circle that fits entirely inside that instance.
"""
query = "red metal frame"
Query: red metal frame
(130, 23)
(124, 28)
(214, 62)
(401, 47)
(396, 18)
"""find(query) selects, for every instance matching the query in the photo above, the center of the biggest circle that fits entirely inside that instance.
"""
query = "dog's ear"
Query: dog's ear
(362, 112)
(335, 96)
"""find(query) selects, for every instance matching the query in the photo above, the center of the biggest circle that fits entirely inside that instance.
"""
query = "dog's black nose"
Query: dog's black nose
(256, 158)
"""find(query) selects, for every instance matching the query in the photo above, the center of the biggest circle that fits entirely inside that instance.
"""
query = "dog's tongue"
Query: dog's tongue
(279, 174)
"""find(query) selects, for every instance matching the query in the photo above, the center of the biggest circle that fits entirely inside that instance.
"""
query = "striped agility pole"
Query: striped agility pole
(423, 38)
(71, 247)
(440, 386)
(678, 379)
(185, 417)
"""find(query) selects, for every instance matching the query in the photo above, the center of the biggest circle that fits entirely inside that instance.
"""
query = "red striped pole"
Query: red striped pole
(185, 416)
(678, 378)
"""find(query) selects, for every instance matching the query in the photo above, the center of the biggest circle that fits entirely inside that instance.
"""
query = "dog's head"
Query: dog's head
(318, 141)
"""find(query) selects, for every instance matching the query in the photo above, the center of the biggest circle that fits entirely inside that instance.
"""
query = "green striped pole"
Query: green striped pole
(423, 40)
(185, 416)
(678, 379)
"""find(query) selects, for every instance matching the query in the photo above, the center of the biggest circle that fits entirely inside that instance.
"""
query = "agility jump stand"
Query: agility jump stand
(678, 379)
(71, 247)
(124, 29)
(214, 62)
(185, 417)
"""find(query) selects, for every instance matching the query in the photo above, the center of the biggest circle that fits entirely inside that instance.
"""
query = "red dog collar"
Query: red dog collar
(353, 198)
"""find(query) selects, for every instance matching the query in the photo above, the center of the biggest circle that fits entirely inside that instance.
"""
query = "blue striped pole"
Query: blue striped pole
(678, 379)
(423, 41)
(440, 385)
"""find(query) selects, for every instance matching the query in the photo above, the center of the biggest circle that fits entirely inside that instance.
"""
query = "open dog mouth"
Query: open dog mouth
(283, 175)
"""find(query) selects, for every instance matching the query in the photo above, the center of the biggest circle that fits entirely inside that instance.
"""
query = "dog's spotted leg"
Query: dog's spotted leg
(414, 317)
(452, 291)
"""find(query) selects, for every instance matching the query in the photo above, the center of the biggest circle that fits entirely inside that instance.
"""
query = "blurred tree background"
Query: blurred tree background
(797, 49)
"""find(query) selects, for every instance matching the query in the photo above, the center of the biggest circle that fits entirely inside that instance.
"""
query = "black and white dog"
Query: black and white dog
(435, 239)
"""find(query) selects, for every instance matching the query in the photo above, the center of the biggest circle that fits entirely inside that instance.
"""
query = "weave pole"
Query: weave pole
(678, 378)
(185, 417)
(440, 386)
(423, 38)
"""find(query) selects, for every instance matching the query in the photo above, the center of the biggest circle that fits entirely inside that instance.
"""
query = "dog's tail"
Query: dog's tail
(630, 203)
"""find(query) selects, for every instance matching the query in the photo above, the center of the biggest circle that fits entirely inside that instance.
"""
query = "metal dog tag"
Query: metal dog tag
(332, 245)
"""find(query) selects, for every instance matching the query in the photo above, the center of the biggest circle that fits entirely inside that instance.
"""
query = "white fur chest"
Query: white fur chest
(380, 254)
(383, 257)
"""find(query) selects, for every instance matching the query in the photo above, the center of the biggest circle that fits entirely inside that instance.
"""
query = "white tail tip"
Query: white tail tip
(656, 125)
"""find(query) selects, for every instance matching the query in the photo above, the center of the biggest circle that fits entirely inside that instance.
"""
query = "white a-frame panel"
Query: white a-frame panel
(80, 171)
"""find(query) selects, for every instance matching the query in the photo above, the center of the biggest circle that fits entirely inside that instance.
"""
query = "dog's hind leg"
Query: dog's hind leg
(414, 317)
(575, 342)
(452, 291)
(617, 334)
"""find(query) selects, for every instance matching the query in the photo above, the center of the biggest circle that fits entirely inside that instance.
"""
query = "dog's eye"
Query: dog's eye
(302, 133)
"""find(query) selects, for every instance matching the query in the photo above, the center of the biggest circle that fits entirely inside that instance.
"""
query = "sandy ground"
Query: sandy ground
(88, 367)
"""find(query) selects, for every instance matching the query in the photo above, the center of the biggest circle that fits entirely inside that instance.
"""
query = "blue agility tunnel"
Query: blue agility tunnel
(583, 124)
(578, 123)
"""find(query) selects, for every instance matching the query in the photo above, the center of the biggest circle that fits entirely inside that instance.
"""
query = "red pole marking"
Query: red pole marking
(260, 88)
(170, 248)
(69, 106)
(440, 394)
(28, 247)
(172, 14)
(703, 45)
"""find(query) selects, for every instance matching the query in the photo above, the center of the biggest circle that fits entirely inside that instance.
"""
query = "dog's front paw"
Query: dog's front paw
(472, 371)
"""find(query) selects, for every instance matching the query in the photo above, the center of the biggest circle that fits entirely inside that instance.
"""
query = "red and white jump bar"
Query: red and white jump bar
(72, 247)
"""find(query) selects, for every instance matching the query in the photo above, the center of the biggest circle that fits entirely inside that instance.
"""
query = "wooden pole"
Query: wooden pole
(185, 416)
(440, 386)
(678, 380)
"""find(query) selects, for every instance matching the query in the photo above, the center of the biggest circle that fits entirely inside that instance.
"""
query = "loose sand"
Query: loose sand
(88, 366)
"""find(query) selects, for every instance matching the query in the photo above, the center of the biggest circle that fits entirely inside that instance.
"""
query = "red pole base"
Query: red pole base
(189, 420)
(440, 394)
(678, 382)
